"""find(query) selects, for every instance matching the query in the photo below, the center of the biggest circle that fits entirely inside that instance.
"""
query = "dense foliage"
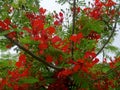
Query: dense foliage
(55, 52)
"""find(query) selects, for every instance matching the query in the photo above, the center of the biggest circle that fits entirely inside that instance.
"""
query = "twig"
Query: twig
(112, 33)
(116, 68)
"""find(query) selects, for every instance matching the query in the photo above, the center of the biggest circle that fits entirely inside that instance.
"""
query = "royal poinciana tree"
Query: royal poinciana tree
(58, 51)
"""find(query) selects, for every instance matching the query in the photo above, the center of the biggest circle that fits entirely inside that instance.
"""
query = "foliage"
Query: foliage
(51, 58)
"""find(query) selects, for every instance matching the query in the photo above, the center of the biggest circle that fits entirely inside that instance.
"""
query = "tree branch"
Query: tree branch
(113, 30)
(112, 33)
(40, 59)
(73, 28)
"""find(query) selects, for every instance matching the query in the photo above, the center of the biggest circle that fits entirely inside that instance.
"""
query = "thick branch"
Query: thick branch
(73, 28)
(40, 59)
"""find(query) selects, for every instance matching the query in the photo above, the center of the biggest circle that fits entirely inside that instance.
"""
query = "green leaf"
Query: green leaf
(117, 64)
(28, 80)
(4, 33)
(25, 40)
(105, 69)
(112, 48)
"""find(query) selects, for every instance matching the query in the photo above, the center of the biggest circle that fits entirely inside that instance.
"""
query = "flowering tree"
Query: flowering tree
(53, 55)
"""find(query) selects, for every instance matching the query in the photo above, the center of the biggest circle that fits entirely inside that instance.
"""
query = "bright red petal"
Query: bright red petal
(51, 30)
(79, 36)
(49, 58)
(73, 38)
(43, 46)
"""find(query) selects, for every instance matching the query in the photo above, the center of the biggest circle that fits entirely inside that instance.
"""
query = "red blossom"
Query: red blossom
(49, 58)
(77, 9)
(51, 30)
(12, 35)
(65, 48)
(42, 10)
(55, 39)
(73, 38)
(22, 61)
(110, 3)
(61, 14)
(19, 64)
(76, 37)
(76, 67)
(43, 46)
(65, 73)
(58, 18)
(85, 69)
(56, 22)
(95, 61)
(9, 45)
(7, 21)
(22, 57)
(25, 73)
(89, 55)
(30, 15)
(37, 24)
(5, 25)
(79, 36)
(80, 61)
(98, 3)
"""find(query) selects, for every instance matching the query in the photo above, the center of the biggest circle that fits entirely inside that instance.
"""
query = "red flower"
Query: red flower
(4, 26)
(37, 24)
(110, 3)
(73, 38)
(22, 61)
(98, 3)
(43, 46)
(9, 45)
(89, 55)
(65, 72)
(80, 61)
(65, 48)
(25, 73)
(56, 39)
(42, 11)
(95, 61)
(12, 35)
(61, 14)
(76, 67)
(18, 64)
(51, 30)
(7, 21)
(49, 58)
(79, 36)
(22, 57)
(30, 15)
(56, 22)
(76, 37)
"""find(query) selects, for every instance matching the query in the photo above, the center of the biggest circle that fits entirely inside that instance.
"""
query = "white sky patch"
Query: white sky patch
(51, 5)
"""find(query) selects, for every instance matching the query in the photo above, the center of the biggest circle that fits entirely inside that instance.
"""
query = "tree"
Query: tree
(51, 58)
